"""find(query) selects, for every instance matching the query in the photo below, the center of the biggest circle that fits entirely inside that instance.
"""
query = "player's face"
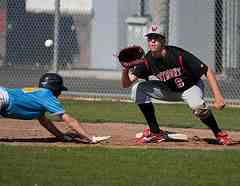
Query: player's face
(155, 43)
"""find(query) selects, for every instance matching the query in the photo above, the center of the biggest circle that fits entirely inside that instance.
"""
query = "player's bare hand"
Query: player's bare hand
(125, 69)
(74, 137)
(219, 103)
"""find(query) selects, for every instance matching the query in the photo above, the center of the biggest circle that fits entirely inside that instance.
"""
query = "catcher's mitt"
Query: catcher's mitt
(131, 56)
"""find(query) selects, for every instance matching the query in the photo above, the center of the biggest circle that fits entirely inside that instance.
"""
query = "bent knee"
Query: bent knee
(138, 95)
(202, 111)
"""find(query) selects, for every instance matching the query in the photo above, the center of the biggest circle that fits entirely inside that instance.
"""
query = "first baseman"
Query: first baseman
(177, 76)
(33, 103)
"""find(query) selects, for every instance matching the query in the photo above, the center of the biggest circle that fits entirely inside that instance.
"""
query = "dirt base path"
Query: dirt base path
(18, 132)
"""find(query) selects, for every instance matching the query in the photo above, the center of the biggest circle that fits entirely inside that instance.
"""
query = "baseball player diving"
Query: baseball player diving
(34, 103)
(177, 76)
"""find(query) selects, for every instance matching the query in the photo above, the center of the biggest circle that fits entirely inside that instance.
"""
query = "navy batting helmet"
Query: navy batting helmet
(52, 81)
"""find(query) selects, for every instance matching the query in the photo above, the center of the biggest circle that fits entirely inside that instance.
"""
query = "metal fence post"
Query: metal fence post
(56, 35)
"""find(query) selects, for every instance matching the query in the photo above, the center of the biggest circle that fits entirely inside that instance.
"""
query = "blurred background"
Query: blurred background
(87, 34)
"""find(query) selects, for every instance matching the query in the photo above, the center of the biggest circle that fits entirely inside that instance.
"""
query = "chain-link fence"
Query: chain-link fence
(85, 38)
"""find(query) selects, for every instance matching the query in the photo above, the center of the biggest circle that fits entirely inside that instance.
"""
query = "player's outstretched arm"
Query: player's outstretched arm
(47, 124)
(71, 122)
(76, 126)
(212, 81)
(80, 134)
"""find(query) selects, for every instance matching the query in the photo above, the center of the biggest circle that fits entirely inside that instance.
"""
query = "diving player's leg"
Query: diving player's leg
(4, 98)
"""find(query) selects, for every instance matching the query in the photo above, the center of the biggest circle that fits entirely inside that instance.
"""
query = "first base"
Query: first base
(100, 138)
(176, 137)
(170, 136)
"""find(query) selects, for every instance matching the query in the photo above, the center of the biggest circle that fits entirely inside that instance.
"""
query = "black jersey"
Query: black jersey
(179, 69)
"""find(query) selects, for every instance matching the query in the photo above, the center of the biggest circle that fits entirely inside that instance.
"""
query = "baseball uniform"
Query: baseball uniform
(29, 103)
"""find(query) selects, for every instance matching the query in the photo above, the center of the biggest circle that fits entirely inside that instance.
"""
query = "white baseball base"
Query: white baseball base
(177, 137)
(97, 139)
(170, 136)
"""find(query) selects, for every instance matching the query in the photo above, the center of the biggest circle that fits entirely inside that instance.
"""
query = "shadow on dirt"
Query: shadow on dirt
(31, 140)
(41, 140)
(215, 142)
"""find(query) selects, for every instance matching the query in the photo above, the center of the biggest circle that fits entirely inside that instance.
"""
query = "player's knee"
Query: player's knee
(137, 88)
(138, 95)
(202, 111)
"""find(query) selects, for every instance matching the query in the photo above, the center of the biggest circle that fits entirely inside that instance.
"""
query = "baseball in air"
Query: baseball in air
(48, 42)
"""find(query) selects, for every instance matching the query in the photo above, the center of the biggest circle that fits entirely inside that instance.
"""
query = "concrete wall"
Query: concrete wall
(190, 26)
(109, 31)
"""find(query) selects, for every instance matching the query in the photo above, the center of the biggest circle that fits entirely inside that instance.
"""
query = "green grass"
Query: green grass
(177, 115)
(3, 3)
(21, 165)
(72, 166)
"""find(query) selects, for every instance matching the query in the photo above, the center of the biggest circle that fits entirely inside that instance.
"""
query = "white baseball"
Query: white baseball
(48, 42)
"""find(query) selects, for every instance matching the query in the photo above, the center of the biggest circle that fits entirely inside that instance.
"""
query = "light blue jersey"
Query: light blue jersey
(31, 103)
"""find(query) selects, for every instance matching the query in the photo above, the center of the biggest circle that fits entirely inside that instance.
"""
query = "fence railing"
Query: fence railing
(25, 26)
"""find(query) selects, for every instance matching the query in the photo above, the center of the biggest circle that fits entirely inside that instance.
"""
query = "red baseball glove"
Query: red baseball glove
(131, 56)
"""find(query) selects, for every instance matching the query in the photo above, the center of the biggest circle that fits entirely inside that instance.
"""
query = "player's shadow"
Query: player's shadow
(31, 140)
(215, 142)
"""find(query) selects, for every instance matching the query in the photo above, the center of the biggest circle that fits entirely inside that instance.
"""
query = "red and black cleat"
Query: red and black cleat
(223, 138)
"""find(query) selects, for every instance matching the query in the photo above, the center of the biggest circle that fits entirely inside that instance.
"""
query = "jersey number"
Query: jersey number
(179, 82)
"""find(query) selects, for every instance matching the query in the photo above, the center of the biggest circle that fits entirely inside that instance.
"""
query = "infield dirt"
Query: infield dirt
(20, 132)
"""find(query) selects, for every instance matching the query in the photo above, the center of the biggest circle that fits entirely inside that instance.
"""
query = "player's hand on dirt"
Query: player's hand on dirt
(73, 137)
(91, 140)
(219, 102)
(69, 137)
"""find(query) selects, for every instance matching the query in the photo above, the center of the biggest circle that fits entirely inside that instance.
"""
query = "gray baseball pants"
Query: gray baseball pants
(4, 98)
(143, 91)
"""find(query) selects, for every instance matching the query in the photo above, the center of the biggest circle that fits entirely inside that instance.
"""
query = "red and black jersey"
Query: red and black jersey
(178, 69)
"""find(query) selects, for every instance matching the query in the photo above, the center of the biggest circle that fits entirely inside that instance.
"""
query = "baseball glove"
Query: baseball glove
(131, 56)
